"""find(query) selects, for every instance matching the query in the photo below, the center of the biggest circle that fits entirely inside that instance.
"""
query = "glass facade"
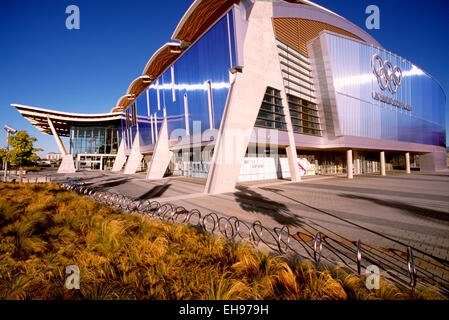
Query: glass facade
(271, 114)
(304, 115)
(93, 140)
(413, 111)
(193, 89)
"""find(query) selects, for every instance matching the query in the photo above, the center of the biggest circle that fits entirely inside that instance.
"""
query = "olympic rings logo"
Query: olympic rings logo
(387, 76)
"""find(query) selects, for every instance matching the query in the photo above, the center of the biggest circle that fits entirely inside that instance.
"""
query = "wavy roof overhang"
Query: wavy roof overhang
(139, 85)
(157, 64)
(199, 17)
(161, 59)
(124, 101)
(62, 121)
(310, 11)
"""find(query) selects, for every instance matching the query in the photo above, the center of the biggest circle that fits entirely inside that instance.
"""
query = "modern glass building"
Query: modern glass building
(254, 90)
(94, 138)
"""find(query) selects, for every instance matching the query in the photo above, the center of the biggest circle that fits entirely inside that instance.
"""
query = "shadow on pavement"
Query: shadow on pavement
(251, 201)
(155, 192)
(113, 183)
(414, 210)
(354, 189)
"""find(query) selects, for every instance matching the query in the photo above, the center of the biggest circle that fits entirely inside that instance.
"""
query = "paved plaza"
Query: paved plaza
(387, 214)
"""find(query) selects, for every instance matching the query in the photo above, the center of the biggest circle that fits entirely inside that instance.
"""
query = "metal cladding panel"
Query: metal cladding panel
(133, 135)
(123, 131)
(414, 111)
(207, 60)
(143, 118)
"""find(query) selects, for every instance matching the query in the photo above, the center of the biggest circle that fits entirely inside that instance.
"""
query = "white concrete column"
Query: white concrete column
(120, 158)
(161, 155)
(382, 164)
(407, 162)
(292, 154)
(244, 99)
(135, 158)
(293, 164)
(349, 164)
(67, 165)
(57, 138)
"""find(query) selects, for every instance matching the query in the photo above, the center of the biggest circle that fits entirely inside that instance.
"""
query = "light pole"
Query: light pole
(8, 131)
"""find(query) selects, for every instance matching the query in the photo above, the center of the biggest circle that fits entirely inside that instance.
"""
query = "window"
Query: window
(94, 140)
(271, 114)
(304, 115)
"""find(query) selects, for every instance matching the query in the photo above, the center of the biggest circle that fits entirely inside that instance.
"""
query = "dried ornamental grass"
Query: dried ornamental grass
(44, 229)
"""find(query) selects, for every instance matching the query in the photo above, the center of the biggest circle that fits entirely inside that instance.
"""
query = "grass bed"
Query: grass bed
(44, 229)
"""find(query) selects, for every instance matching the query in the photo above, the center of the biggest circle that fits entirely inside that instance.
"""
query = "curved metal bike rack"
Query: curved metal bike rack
(359, 258)
(411, 267)
(317, 247)
(231, 227)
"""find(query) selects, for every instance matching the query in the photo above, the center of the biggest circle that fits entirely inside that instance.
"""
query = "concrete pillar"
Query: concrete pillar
(244, 99)
(161, 155)
(67, 165)
(293, 164)
(120, 158)
(407, 162)
(57, 138)
(349, 164)
(135, 158)
(382, 164)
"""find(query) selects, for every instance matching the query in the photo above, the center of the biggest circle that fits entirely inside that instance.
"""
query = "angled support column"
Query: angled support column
(161, 155)
(235, 131)
(135, 157)
(293, 163)
(120, 159)
(67, 165)
(57, 138)
(244, 99)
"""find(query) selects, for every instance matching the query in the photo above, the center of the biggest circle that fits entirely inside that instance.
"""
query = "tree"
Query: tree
(23, 152)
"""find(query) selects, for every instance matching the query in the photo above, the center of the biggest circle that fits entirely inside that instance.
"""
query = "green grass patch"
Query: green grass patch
(44, 229)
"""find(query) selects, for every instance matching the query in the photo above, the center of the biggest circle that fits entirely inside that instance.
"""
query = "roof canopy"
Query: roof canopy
(62, 121)
(199, 17)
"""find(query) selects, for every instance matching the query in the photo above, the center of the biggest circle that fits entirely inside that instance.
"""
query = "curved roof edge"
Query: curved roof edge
(64, 114)
(312, 11)
(184, 18)
(199, 17)
(138, 84)
(124, 101)
(169, 45)
(62, 121)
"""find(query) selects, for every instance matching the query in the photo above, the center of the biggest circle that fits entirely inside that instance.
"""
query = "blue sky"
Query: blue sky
(44, 64)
